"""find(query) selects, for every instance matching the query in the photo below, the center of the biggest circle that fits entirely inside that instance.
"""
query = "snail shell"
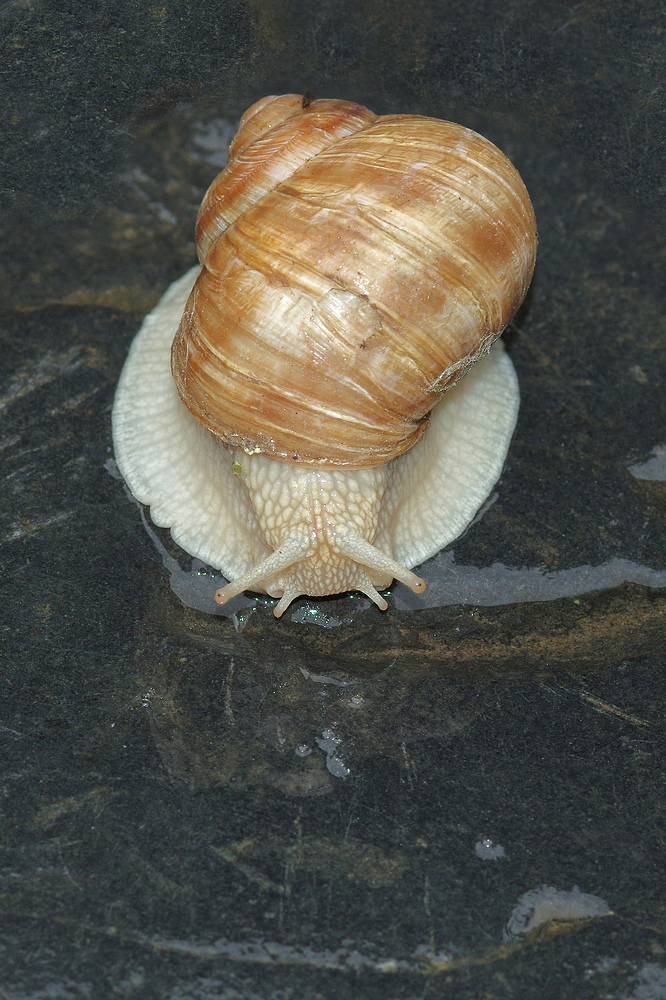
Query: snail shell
(307, 438)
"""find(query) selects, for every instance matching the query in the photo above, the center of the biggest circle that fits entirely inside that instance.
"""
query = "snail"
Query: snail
(323, 403)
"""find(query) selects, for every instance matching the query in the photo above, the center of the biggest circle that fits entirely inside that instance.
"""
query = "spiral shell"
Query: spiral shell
(354, 266)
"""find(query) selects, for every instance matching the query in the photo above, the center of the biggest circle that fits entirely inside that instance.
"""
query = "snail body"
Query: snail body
(289, 408)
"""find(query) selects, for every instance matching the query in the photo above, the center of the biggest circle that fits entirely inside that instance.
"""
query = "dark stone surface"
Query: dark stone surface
(206, 807)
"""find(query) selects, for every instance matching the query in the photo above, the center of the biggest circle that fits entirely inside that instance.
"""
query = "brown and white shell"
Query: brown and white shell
(354, 266)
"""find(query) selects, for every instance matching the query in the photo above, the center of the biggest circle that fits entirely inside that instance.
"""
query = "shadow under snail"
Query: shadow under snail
(295, 409)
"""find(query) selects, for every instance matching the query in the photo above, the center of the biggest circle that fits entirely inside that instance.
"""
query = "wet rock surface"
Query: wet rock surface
(461, 797)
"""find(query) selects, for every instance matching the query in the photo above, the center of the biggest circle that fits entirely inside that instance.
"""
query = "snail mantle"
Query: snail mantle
(323, 403)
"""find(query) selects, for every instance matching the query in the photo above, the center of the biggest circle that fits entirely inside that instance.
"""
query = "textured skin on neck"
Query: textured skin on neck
(322, 507)
(321, 525)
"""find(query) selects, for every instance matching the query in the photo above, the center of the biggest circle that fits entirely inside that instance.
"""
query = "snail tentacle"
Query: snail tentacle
(290, 552)
(360, 551)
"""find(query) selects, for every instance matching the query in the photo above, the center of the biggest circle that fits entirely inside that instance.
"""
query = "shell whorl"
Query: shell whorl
(353, 267)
